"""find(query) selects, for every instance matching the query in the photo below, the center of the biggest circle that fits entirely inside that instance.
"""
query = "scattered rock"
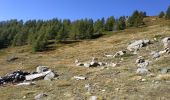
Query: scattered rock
(120, 53)
(79, 78)
(14, 77)
(155, 54)
(41, 69)
(138, 44)
(164, 70)
(36, 76)
(50, 76)
(79, 64)
(101, 63)
(24, 97)
(143, 80)
(93, 63)
(143, 64)
(142, 71)
(87, 65)
(93, 98)
(140, 60)
(40, 96)
(76, 61)
(166, 42)
(88, 87)
(164, 51)
(117, 89)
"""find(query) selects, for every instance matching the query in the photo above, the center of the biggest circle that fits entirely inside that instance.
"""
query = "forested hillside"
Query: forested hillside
(37, 32)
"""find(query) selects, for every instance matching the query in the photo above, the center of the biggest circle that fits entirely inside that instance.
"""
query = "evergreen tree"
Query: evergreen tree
(122, 23)
(161, 14)
(110, 23)
(168, 13)
(62, 34)
(40, 44)
(99, 25)
(136, 19)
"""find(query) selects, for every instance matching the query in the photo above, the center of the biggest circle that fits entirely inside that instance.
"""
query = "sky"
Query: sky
(77, 9)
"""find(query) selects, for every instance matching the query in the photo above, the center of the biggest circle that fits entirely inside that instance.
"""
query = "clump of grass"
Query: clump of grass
(127, 55)
(158, 36)
(163, 77)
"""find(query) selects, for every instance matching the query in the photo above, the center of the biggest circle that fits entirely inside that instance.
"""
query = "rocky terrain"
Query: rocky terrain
(132, 64)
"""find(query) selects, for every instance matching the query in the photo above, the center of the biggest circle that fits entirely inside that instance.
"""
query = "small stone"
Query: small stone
(140, 60)
(93, 98)
(155, 54)
(79, 64)
(88, 87)
(142, 71)
(103, 90)
(40, 96)
(117, 89)
(163, 70)
(79, 77)
(24, 97)
(156, 82)
(86, 65)
(41, 69)
(143, 80)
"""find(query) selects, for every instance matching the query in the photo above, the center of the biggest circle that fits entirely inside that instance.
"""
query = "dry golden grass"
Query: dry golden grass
(119, 83)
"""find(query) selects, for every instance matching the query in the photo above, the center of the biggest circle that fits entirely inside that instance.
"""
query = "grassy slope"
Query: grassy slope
(109, 79)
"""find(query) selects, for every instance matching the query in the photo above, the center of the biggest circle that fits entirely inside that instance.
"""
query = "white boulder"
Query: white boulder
(166, 42)
(142, 71)
(50, 76)
(137, 45)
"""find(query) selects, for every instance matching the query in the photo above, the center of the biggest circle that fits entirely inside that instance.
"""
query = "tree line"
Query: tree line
(37, 33)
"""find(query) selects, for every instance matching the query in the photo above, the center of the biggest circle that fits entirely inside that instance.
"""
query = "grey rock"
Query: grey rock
(50, 76)
(40, 96)
(79, 64)
(140, 60)
(86, 65)
(142, 71)
(136, 45)
(155, 54)
(41, 69)
(120, 53)
(94, 64)
(37, 76)
(143, 64)
(164, 70)
(93, 98)
(88, 87)
(166, 42)
(79, 78)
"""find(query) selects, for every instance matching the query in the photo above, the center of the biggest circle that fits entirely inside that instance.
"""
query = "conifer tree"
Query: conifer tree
(161, 14)
(168, 13)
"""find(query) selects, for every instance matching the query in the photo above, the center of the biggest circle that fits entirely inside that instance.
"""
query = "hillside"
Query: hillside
(110, 83)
